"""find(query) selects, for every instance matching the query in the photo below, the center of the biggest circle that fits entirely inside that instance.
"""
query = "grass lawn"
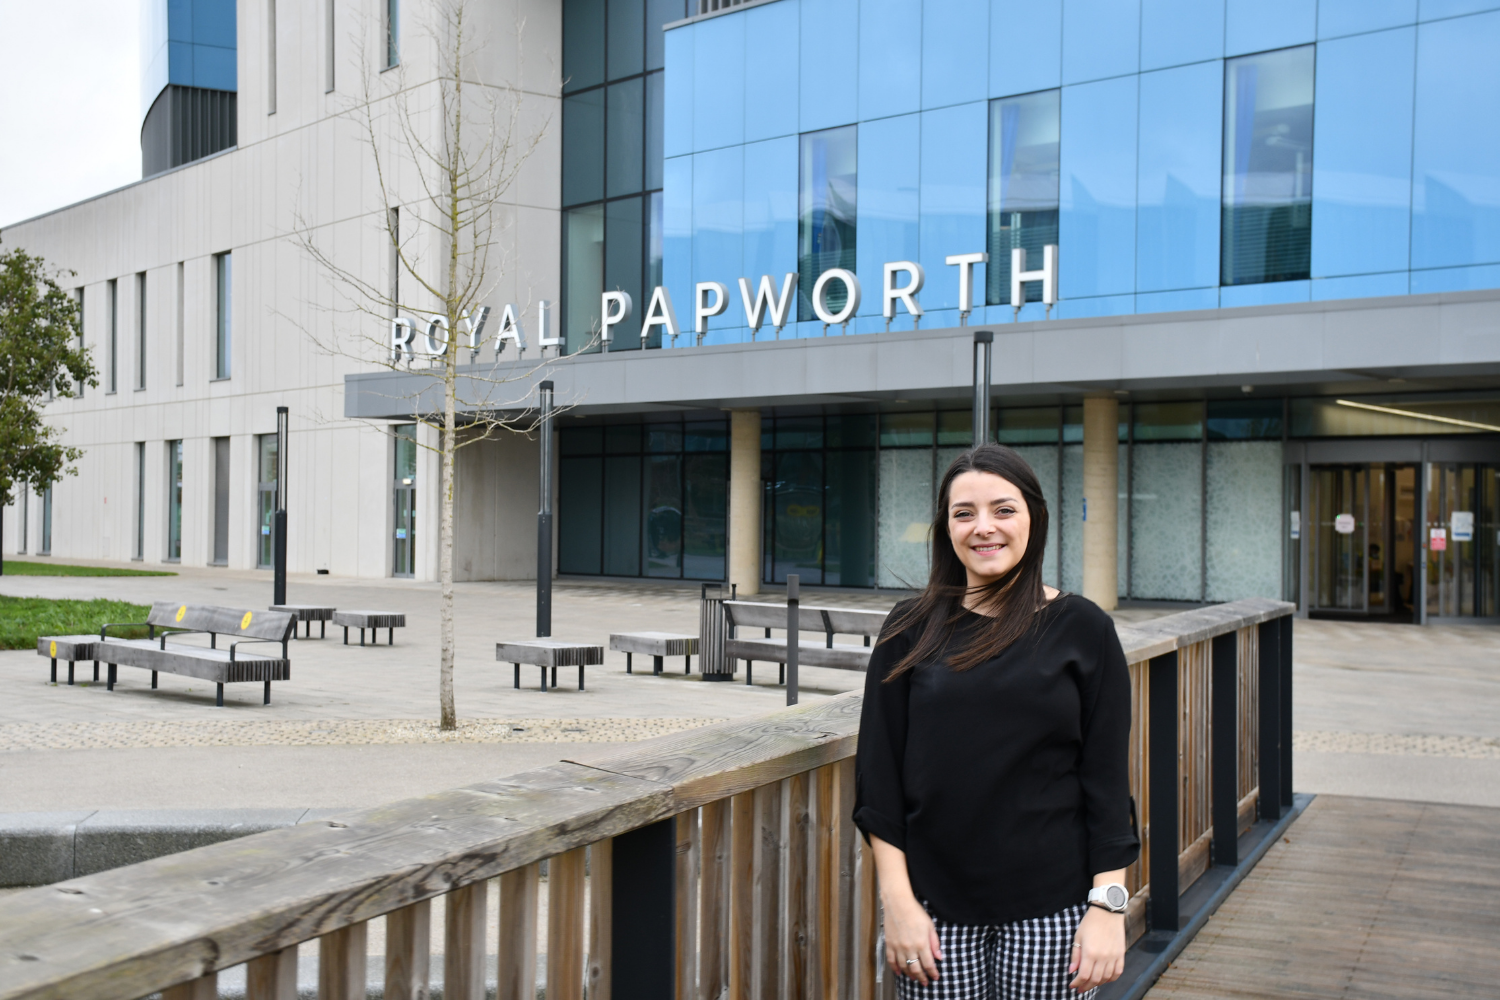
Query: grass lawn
(21, 567)
(24, 619)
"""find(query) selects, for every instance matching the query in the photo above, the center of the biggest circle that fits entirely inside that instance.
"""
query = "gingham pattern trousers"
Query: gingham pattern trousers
(1025, 960)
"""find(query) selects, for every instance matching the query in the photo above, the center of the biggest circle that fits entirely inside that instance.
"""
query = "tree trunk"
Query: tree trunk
(445, 544)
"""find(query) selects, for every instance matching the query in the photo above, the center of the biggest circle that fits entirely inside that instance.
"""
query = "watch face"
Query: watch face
(1115, 897)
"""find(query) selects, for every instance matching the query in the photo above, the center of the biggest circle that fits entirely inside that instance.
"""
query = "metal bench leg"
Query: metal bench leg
(111, 683)
(346, 635)
(361, 637)
(544, 679)
(219, 699)
(749, 671)
(153, 680)
(518, 677)
(70, 673)
(580, 676)
(656, 666)
(54, 670)
(96, 671)
(322, 628)
(390, 640)
(687, 665)
(627, 664)
(554, 678)
(267, 699)
(781, 673)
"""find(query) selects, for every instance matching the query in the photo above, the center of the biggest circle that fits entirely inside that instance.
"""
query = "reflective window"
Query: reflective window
(404, 490)
(827, 182)
(265, 495)
(1023, 184)
(392, 32)
(174, 502)
(224, 293)
(1268, 162)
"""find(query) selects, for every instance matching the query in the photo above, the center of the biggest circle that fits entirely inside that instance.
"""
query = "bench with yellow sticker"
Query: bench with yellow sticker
(181, 611)
(245, 621)
(54, 649)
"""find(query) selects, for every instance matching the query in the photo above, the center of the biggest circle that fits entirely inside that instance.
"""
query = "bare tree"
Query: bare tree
(445, 153)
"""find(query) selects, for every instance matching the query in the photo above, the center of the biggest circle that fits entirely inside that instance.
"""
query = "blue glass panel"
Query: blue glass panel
(719, 83)
(770, 246)
(1096, 231)
(889, 207)
(1362, 174)
(1100, 39)
(626, 38)
(625, 131)
(1347, 17)
(1361, 286)
(658, 13)
(1099, 305)
(583, 275)
(1178, 236)
(1174, 32)
(955, 52)
(1456, 156)
(583, 147)
(827, 191)
(829, 61)
(1022, 195)
(677, 118)
(771, 59)
(213, 23)
(1431, 9)
(654, 104)
(1191, 298)
(890, 79)
(1269, 293)
(677, 239)
(583, 44)
(718, 227)
(1455, 279)
(624, 240)
(1258, 25)
(1025, 46)
(215, 68)
(954, 166)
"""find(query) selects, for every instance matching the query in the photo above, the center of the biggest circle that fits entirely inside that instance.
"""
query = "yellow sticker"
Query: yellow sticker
(181, 611)
(54, 649)
(245, 622)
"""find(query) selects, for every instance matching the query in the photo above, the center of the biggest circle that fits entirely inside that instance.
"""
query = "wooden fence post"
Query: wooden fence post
(1224, 716)
(1164, 793)
(1286, 710)
(644, 950)
(1269, 774)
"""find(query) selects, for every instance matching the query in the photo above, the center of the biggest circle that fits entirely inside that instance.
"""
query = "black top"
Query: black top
(1006, 785)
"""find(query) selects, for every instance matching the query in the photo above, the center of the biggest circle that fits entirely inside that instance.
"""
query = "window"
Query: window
(265, 497)
(221, 502)
(138, 551)
(612, 160)
(174, 501)
(1023, 179)
(826, 185)
(140, 330)
(1268, 151)
(404, 554)
(270, 57)
(181, 317)
(392, 33)
(79, 387)
(224, 290)
(24, 527)
(45, 549)
(114, 335)
(330, 50)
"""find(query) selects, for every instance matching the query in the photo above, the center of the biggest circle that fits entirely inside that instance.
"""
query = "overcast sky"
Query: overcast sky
(70, 102)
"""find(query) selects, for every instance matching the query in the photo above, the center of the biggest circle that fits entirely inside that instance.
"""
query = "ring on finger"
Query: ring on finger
(911, 961)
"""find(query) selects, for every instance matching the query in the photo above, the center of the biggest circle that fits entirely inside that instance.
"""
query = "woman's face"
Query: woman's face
(988, 524)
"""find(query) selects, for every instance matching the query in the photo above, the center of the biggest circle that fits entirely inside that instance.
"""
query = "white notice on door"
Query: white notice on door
(1463, 525)
(1344, 524)
(1296, 524)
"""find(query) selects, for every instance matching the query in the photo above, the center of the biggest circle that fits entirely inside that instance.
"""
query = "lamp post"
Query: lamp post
(984, 344)
(278, 540)
(544, 519)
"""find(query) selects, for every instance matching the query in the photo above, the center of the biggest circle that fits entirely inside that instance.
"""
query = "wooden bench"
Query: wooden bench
(309, 613)
(829, 621)
(549, 653)
(221, 666)
(71, 648)
(657, 645)
(372, 620)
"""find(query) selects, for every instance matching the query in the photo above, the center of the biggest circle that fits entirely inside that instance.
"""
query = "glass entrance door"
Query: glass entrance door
(1461, 541)
(1360, 547)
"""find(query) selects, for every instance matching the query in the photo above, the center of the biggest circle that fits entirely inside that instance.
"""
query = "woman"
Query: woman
(991, 775)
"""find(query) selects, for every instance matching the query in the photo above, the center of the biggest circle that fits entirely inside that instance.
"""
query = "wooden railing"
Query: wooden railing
(717, 862)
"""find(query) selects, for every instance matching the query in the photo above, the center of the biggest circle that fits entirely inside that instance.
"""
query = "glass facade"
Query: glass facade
(819, 505)
(1268, 167)
(404, 501)
(827, 194)
(1023, 179)
(612, 127)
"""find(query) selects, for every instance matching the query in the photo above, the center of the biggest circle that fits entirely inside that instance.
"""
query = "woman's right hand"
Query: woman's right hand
(909, 934)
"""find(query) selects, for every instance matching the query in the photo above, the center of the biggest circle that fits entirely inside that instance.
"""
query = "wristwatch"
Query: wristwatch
(1112, 897)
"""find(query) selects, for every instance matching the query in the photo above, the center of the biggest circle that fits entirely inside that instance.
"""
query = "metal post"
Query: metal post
(984, 343)
(1286, 711)
(793, 595)
(544, 519)
(1225, 766)
(279, 541)
(1270, 717)
(1162, 810)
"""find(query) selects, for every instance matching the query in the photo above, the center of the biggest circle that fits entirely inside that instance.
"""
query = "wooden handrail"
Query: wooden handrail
(136, 930)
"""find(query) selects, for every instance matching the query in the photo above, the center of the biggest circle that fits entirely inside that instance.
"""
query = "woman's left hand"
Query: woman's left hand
(1098, 949)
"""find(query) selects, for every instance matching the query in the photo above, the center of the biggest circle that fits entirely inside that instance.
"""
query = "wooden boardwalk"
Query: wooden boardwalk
(1362, 898)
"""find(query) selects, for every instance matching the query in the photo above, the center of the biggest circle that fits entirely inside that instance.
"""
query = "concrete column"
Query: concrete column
(744, 501)
(1101, 484)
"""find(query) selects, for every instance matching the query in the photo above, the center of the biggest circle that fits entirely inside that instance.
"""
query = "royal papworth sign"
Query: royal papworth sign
(901, 283)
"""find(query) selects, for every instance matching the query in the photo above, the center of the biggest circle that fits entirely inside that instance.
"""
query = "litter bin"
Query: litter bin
(712, 632)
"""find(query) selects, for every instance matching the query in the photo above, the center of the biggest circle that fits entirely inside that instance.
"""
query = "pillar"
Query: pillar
(744, 501)
(1101, 485)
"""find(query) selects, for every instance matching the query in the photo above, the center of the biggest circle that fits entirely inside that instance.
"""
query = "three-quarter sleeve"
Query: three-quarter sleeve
(879, 798)
(1104, 761)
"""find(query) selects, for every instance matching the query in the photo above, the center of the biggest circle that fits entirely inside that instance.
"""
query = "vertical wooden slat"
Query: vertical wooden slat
(273, 976)
(601, 918)
(685, 906)
(713, 912)
(743, 824)
(341, 963)
(797, 926)
(823, 901)
(565, 889)
(866, 961)
(849, 841)
(408, 940)
(202, 988)
(765, 973)
(886, 988)
(517, 950)
(463, 942)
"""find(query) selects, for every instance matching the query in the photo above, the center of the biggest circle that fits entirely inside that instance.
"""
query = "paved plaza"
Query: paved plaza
(1386, 711)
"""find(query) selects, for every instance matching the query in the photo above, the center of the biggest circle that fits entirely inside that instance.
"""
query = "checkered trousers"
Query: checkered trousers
(1025, 960)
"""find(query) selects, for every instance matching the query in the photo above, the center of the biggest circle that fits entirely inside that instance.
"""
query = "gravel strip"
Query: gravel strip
(1471, 747)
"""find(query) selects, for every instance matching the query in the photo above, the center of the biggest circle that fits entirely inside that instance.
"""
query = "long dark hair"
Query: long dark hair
(1008, 603)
